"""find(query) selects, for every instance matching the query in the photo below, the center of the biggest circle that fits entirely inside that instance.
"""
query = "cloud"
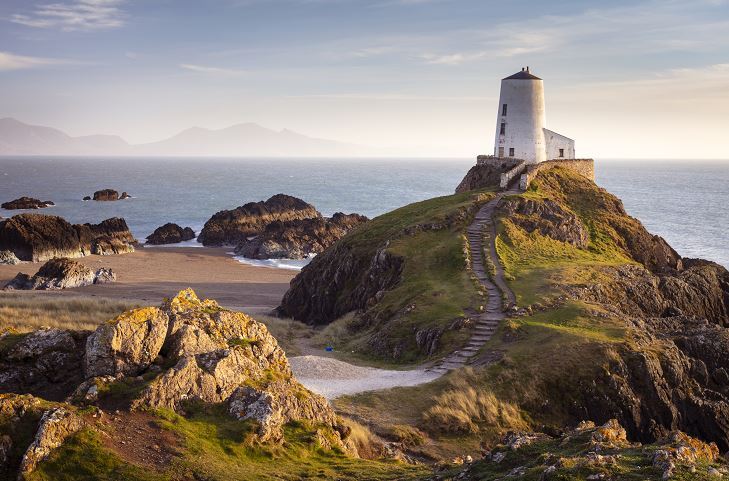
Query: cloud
(9, 61)
(211, 70)
(73, 16)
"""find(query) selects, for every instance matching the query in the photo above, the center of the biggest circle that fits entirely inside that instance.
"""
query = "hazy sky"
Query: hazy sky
(420, 77)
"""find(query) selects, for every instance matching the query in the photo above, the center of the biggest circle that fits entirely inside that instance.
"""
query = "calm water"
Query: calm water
(685, 202)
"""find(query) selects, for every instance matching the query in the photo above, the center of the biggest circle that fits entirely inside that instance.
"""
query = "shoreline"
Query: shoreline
(148, 275)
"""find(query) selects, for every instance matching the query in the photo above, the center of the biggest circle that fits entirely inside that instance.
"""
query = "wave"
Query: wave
(291, 264)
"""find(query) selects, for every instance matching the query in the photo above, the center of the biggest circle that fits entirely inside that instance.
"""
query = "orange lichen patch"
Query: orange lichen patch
(687, 449)
(137, 316)
(187, 300)
(611, 434)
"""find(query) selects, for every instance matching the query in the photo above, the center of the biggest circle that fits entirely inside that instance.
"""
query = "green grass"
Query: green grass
(215, 447)
(435, 288)
(84, 458)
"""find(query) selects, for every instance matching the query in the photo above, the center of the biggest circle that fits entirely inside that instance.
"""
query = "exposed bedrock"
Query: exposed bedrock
(170, 233)
(230, 227)
(300, 238)
(26, 203)
(38, 237)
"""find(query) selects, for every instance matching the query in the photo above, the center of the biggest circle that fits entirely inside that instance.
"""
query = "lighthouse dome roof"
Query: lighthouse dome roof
(523, 75)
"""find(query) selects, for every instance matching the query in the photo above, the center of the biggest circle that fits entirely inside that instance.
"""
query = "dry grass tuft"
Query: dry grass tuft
(464, 409)
(286, 332)
(367, 444)
(27, 312)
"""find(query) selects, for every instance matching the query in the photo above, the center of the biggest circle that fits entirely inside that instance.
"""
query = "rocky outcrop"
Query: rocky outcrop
(547, 217)
(340, 281)
(298, 239)
(8, 258)
(56, 425)
(60, 273)
(230, 227)
(46, 363)
(37, 237)
(170, 234)
(126, 345)
(109, 195)
(672, 376)
(594, 204)
(111, 236)
(594, 453)
(486, 175)
(26, 203)
(214, 356)
(701, 290)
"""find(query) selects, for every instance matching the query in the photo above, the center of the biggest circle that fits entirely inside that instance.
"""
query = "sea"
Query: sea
(684, 201)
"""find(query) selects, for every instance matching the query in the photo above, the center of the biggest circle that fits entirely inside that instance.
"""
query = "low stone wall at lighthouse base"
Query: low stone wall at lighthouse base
(584, 167)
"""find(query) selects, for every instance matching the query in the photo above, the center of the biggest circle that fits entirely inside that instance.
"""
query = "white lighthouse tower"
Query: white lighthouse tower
(520, 123)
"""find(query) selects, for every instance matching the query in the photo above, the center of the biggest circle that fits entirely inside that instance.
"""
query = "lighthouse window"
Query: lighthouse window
(511, 152)
(561, 152)
(503, 129)
(501, 152)
(503, 110)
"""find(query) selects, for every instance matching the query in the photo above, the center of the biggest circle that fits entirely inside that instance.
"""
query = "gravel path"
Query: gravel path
(333, 378)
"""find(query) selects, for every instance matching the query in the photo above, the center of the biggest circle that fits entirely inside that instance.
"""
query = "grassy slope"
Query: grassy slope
(215, 447)
(435, 280)
(538, 350)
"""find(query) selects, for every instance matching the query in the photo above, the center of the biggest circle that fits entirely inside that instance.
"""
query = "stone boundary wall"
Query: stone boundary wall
(584, 167)
(506, 177)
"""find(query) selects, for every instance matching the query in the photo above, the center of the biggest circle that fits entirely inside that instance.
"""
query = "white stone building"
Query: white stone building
(520, 123)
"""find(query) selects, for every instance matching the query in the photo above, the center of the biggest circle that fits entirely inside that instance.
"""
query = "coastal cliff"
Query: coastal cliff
(610, 321)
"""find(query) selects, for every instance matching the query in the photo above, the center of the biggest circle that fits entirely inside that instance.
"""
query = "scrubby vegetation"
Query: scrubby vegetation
(26, 312)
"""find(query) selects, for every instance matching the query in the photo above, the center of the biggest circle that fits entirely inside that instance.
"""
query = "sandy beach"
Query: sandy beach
(151, 273)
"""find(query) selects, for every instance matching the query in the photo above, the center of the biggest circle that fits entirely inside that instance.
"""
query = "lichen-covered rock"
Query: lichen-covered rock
(230, 227)
(300, 238)
(227, 357)
(46, 363)
(279, 402)
(170, 234)
(26, 203)
(127, 344)
(56, 425)
(60, 273)
(8, 258)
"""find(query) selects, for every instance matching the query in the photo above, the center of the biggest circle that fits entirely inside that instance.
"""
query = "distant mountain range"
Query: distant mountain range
(240, 140)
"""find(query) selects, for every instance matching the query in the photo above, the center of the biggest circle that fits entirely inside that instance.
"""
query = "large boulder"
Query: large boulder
(38, 237)
(110, 236)
(170, 234)
(126, 345)
(60, 273)
(26, 203)
(298, 239)
(230, 227)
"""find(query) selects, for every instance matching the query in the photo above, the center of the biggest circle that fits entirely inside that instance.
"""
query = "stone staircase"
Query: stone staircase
(482, 233)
